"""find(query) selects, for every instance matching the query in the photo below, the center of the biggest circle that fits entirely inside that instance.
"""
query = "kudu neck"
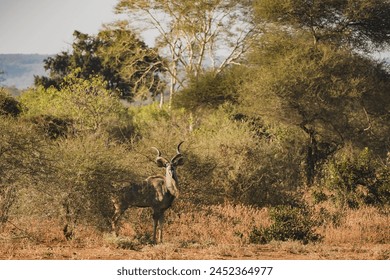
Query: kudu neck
(171, 181)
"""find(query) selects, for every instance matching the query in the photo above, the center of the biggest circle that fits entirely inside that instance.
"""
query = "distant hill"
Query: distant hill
(19, 69)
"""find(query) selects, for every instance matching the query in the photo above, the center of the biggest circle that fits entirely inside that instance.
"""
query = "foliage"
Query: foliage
(362, 24)
(53, 127)
(289, 223)
(20, 152)
(253, 134)
(208, 91)
(227, 160)
(135, 68)
(150, 118)
(9, 106)
(22, 161)
(116, 54)
(85, 102)
(194, 36)
(356, 178)
(84, 179)
(332, 95)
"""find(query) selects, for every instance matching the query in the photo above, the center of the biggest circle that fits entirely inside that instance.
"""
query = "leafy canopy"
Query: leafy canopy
(87, 102)
(362, 24)
(126, 64)
(194, 37)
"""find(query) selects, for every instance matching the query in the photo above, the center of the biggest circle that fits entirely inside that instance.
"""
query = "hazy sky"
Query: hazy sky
(46, 26)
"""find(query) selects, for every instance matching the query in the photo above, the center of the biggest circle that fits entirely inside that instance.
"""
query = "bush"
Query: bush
(22, 161)
(226, 159)
(84, 177)
(53, 127)
(241, 165)
(209, 91)
(289, 223)
(9, 106)
(356, 178)
(86, 103)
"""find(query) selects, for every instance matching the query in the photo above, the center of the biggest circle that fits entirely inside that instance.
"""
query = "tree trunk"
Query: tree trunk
(162, 97)
(7, 197)
(311, 161)
(311, 156)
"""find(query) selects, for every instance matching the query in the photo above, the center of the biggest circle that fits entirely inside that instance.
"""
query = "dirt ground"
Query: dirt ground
(363, 234)
(275, 251)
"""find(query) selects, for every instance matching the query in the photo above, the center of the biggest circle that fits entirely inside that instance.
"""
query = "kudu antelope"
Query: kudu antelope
(156, 192)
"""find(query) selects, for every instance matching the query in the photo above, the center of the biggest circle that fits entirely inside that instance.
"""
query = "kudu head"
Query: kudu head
(170, 169)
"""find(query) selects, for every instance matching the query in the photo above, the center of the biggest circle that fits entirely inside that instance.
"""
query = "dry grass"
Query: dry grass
(363, 226)
(213, 232)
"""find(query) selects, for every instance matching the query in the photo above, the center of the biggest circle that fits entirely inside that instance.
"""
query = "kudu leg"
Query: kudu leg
(160, 228)
(115, 218)
(114, 228)
(158, 220)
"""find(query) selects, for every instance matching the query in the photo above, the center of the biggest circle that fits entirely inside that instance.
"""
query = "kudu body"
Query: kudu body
(156, 192)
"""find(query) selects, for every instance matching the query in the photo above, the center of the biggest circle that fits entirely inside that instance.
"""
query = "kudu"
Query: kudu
(156, 192)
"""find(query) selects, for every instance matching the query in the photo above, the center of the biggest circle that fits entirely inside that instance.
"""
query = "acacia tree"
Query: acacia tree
(117, 54)
(133, 66)
(333, 96)
(193, 35)
(362, 24)
(323, 86)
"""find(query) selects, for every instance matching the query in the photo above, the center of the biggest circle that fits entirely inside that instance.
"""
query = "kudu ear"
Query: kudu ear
(178, 161)
(161, 162)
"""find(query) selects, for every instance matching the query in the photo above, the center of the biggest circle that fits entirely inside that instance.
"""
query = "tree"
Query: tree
(209, 90)
(84, 102)
(362, 24)
(132, 64)
(193, 35)
(22, 161)
(309, 71)
(334, 96)
(127, 65)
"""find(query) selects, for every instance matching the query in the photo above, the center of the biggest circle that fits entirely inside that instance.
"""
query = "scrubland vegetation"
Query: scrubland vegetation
(286, 143)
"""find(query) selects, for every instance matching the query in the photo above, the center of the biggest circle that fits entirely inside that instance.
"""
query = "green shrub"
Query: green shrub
(209, 90)
(22, 161)
(86, 102)
(356, 178)
(85, 173)
(9, 106)
(227, 159)
(243, 165)
(289, 223)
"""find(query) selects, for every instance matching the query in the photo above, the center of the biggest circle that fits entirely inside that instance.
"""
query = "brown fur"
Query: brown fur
(157, 192)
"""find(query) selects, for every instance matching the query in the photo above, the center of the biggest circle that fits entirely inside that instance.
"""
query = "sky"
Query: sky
(46, 26)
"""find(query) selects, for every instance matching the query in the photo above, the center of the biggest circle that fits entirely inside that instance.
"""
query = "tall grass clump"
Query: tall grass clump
(366, 225)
